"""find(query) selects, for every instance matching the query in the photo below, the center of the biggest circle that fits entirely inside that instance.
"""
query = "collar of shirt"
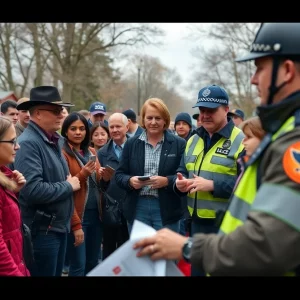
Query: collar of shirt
(52, 137)
(116, 146)
(224, 132)
(144, 137)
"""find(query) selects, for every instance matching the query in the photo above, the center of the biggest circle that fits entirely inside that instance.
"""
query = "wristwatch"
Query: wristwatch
(186, 249)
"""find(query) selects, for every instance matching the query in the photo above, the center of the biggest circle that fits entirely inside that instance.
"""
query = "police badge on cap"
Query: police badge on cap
(212, 97)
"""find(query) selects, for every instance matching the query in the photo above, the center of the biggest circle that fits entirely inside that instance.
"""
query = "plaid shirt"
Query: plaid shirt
(152, 156)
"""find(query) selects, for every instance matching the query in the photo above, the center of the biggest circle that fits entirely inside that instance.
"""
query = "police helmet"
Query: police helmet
(275, 39)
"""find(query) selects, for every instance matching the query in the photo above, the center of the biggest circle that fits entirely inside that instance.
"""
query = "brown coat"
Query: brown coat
(80, 196)
(264, 245)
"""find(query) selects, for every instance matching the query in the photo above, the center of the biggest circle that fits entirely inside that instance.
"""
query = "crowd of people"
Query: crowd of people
(216, 192)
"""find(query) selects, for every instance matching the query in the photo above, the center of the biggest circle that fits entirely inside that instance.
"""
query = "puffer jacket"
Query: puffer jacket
(11, 240)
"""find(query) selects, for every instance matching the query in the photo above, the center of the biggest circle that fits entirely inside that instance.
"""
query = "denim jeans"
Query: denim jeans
(182, 227)
(201, 227)
(148, 212)
(85, 257)
(49, 253)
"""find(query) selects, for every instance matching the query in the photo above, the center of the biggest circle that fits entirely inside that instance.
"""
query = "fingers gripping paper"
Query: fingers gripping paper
(123, 262)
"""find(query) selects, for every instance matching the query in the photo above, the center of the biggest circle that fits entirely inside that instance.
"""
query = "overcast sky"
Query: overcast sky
(176, 52)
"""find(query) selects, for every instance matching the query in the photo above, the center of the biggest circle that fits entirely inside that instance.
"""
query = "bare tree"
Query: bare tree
(15, 59)
(157, 80)
(217, 65)
(70, 43)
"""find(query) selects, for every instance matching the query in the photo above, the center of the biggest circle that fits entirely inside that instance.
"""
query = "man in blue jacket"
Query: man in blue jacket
(46, 200)
(109, 154)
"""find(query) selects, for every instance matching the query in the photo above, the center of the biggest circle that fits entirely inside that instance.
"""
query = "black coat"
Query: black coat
(132, 164)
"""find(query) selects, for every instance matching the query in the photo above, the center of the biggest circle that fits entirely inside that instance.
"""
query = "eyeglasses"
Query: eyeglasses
(13, 142)
(56, 112)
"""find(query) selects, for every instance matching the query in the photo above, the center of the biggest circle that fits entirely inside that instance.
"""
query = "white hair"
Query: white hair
(123, 117)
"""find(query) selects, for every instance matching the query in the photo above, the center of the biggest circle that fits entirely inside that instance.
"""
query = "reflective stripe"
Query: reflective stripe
(230, 223)
(288, 125)
(239, 208)
(207, 208)
(246, 188)
(284, 203)
(211, 205)
(193, 144)
(236, 144)
(223, 161)
(213, 166)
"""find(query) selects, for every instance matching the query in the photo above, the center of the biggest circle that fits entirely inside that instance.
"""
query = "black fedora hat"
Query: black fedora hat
(42, 95)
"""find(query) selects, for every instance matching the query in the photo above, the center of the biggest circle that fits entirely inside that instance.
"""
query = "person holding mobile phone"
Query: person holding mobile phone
(109, 156)
(84, 241)
(155, 153)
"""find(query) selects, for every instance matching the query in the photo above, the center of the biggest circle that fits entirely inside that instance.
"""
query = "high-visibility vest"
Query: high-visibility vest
(245, 193)
(219, 163)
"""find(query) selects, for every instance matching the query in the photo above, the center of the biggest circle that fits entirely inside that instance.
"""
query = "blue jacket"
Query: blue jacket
(107, 156)
(132, 164)
(45, 170)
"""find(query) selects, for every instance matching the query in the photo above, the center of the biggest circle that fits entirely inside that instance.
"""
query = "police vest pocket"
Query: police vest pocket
(222, 161)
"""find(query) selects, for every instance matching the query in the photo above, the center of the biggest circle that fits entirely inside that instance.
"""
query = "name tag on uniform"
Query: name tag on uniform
(222, 151)
(172, 155)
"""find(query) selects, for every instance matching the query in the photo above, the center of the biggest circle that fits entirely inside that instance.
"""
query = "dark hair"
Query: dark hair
(71, 118)
(7, 104)
(97, 125)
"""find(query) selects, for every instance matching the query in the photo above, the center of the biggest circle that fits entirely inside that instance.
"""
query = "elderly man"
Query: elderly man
(46, 200)
(109, 154)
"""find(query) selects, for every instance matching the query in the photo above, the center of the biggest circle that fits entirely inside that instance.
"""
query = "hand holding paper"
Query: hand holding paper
(124, 261)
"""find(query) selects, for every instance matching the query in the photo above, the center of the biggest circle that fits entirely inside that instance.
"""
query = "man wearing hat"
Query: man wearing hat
(24, 118)
(209, 168)
(97, 113)
(197, 118)
(46, 201)
(133, 127)
(183, 125)
(237, 116)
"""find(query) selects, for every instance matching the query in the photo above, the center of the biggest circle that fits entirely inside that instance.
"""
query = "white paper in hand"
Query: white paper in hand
(123, 262)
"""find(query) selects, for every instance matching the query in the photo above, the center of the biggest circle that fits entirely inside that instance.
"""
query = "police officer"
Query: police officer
(260, 234)
(210, 163)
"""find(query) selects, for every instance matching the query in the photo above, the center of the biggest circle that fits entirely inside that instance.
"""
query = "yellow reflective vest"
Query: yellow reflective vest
(219, 163)
(245, 193)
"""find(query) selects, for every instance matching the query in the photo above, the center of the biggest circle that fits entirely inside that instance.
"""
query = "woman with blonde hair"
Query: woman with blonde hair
(11, 240)
(254, 133)
(147, 170)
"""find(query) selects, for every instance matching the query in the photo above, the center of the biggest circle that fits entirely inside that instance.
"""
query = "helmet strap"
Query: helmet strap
(273, 89)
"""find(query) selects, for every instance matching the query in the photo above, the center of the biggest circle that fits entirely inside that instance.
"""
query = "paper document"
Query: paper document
(123, 262)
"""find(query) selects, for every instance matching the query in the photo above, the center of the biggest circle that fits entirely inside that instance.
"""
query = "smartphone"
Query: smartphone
(143, 178)
(109, 167)
(92, 158)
